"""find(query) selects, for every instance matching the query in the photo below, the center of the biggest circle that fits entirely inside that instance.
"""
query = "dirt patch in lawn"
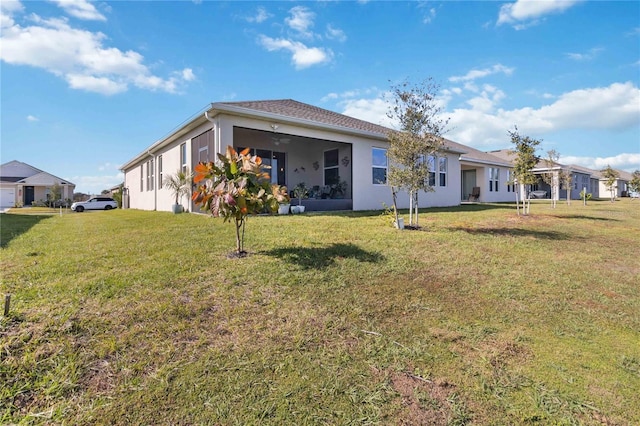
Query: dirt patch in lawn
(424, 402)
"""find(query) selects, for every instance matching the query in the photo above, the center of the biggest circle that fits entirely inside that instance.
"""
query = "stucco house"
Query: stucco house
(22, 185)
(620, 186)
(340, 158)
(581, 177)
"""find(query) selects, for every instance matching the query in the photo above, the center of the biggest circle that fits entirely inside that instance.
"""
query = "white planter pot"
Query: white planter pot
(300, 209)
(400, 223)
(284, 208)
(176, 208)
(295, 209)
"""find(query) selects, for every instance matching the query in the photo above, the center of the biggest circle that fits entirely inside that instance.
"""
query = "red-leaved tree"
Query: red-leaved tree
(238, 186)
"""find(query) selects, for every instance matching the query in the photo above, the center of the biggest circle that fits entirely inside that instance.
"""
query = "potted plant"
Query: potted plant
(300, 191)
(179, 184)
(283, 208)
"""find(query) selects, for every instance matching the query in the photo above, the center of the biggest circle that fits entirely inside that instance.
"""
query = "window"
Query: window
(379, 166)
(442, 167)
(183, 157)
(431, 165)
(277, 173)
(203, 154)
(141, 177)
(331, 170)
(150, 176)
(494, 177)
(510, 187)
(160, 175)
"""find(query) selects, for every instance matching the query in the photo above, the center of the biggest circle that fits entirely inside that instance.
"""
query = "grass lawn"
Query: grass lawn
(482, 317)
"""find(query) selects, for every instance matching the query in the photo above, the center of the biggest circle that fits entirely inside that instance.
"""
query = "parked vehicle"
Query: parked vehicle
(94, 203)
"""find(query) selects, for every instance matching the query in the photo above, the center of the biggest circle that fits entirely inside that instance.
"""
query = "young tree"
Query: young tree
(54, 195)
(526, 160)
(610, 177)
(235, 188)
(566, 179)
(552, 177)
(634, 183)
(416, 142)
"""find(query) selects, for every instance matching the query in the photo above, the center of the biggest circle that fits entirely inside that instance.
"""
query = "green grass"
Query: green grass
(482, 317)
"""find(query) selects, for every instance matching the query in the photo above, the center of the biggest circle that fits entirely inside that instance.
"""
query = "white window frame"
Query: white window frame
(325, 167)
(494, 177)
(183, 157)
(379, 166)
(160, 174)
(442, 171)
(431, 167)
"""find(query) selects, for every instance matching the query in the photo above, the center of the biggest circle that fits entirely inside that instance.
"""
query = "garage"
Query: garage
(7, 197)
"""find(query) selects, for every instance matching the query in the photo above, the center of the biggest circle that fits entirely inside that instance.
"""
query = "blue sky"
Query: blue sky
(88, 85)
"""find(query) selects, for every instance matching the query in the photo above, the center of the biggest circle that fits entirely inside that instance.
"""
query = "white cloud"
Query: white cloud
(301, 20)
(627, 162)
(32, 118)
(482, 124)
(90, 83)
(80, 57)
(11, 6)
(475, 74)
(633, 32)
(429, 16)
(371, 110)
(335, 34)
(96, 184)
(589, 55)
(260, 16)
(524, 13)
(80, 9)
(187, 74)
(302, 56)
(615, 107)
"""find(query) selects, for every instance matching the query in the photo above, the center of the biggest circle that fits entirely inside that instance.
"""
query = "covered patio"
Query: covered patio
(323, 166)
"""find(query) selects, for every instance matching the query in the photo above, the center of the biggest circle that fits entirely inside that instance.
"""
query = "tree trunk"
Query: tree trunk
(394, 195)
(416, 207)
(411, 208)
(239, 239)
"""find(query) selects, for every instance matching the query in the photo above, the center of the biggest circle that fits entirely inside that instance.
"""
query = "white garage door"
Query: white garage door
(7, 197)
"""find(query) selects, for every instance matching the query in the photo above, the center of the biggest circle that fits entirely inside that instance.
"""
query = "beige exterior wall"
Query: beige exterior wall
(299, 155)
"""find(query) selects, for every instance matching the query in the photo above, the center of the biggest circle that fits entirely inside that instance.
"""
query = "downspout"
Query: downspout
(155, 186)
(216, 138)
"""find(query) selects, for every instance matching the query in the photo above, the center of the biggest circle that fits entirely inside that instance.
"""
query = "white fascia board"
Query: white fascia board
(485, 162)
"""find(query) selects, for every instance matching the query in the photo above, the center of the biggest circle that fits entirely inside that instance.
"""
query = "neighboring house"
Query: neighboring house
(581, 177)
(302, 143)
(489, 173)
(22, 184)
(587, 179)
(620, 187)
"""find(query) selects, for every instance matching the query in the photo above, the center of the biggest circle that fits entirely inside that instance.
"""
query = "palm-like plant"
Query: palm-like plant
(179, 184)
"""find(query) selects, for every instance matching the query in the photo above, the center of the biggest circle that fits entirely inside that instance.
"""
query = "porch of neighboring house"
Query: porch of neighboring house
(471, 178)
(324, 166)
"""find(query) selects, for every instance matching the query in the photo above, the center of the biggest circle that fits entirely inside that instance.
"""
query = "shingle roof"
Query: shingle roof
(472, 154)
(299, 110)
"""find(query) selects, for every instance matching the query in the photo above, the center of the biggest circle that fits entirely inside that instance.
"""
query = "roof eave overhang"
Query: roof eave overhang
(216, 108)
(485, 162)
